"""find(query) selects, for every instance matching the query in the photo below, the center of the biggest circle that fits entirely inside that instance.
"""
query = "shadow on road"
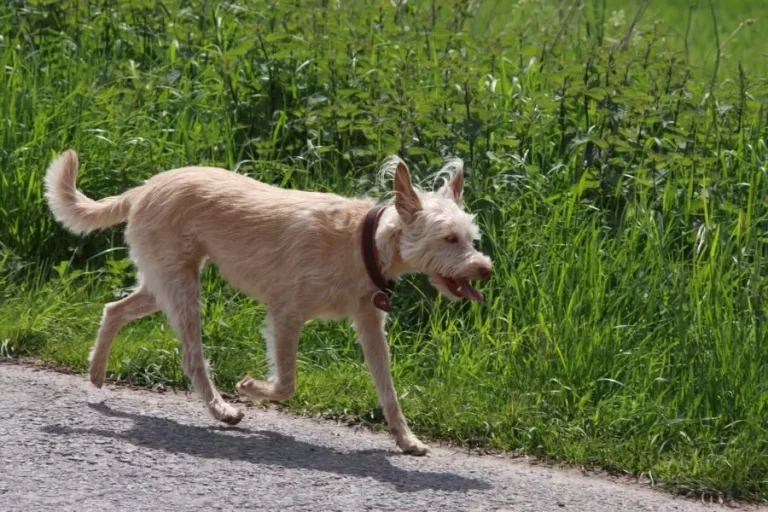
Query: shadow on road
(269, 448)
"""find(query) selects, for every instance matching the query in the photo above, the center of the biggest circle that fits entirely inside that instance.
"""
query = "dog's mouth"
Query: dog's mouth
(457, 287)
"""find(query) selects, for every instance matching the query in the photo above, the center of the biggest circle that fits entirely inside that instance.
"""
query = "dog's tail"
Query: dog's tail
(76, 211)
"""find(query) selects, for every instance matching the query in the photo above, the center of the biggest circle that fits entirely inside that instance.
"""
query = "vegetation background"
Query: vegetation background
(616, 157)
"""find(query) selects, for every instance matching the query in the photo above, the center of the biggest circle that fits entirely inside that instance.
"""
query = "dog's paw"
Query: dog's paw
(251, 388)
(412, 446)
(259, 391)
(226, 413)
(97, 375)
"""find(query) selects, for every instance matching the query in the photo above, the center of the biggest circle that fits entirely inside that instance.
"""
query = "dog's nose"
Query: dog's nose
(485, 272)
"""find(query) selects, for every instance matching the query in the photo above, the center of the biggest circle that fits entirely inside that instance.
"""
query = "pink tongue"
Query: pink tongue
(466, 291)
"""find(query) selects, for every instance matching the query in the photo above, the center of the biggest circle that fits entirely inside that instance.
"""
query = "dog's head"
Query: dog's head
(438, 235)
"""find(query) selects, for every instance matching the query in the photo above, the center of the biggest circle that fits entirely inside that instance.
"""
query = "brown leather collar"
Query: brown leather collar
(371, 260)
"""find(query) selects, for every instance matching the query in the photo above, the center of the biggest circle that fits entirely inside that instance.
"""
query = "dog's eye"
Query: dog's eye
(451, 239)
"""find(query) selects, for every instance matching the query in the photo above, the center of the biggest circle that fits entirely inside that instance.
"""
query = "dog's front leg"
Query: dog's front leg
(369, 324)
(282, 338)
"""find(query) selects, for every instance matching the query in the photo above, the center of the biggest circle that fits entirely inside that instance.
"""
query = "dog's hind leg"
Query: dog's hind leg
(369, 324)
(116, 315)
(281, 335)
(178, 292)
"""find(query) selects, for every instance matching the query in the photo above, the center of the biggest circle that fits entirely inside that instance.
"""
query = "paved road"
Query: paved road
(65, 445)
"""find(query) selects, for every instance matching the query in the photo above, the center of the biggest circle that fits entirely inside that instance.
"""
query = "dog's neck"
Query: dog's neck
(388, 245)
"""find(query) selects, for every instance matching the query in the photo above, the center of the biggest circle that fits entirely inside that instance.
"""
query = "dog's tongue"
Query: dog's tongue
(466, 291)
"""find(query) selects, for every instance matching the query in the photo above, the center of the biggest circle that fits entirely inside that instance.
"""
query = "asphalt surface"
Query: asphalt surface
(65, 445)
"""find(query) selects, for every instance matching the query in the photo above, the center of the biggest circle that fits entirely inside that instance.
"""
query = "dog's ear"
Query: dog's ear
(407, 200)
(454, 187)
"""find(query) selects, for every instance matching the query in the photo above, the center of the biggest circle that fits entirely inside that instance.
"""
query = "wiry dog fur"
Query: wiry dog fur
(298, 252)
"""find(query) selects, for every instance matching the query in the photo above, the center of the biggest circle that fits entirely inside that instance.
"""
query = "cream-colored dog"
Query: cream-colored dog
(304, 254)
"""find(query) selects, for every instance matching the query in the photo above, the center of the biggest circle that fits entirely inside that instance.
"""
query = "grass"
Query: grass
(619, 179)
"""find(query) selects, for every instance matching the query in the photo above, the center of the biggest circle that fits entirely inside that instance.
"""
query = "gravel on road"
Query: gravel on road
(65, 445)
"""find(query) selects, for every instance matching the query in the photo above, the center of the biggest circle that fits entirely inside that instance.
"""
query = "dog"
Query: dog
(305, 255)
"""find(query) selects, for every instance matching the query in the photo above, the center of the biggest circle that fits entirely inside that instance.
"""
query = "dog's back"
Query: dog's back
(273, 243)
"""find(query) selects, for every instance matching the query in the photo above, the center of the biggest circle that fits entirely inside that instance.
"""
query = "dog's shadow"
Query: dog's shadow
(269, 448)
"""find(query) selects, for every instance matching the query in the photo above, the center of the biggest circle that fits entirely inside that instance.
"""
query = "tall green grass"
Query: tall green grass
(619, 180)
